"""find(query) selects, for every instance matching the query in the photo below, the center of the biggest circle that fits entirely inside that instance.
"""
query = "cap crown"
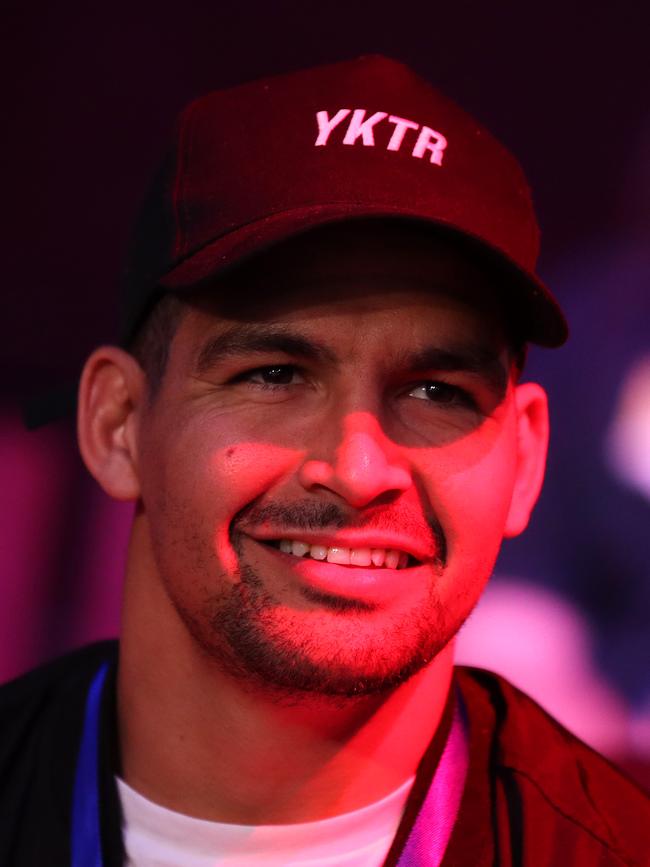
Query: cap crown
(256, 163)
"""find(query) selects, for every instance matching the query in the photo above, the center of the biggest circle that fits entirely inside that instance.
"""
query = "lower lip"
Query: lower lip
(376, 584)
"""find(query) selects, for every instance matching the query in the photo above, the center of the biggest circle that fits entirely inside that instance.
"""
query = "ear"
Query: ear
(111, 391)
(532, 445)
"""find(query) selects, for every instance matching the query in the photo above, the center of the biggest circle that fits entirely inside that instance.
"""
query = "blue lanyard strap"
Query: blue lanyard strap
(86, 848)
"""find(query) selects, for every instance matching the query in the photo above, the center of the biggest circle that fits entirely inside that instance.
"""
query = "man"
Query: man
(317, 409)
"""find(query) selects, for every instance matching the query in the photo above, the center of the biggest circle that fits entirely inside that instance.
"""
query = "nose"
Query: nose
(364, 464)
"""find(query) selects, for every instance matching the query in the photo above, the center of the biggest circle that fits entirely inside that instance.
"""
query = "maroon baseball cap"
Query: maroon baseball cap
(259, 163)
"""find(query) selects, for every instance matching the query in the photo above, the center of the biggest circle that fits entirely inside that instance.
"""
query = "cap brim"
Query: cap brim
(537, 313)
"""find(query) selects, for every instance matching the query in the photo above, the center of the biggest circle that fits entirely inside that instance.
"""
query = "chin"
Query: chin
(336, 648)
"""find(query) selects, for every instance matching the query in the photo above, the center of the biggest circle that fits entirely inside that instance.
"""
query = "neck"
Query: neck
(200, 742)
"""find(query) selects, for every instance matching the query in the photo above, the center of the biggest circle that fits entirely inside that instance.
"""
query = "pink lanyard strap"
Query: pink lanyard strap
(427, 842)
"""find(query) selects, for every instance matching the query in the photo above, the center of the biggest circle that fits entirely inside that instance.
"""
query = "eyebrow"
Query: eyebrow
(250, 338)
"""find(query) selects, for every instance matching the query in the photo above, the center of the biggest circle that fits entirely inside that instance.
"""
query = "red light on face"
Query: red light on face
(366, 410)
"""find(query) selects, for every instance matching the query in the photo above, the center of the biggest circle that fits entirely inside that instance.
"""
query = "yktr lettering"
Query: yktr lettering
(361, 127)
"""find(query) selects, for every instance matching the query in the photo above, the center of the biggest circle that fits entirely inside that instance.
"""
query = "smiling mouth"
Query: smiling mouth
(368, 558)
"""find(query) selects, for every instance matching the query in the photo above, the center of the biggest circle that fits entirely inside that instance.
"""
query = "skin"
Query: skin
(246, 694)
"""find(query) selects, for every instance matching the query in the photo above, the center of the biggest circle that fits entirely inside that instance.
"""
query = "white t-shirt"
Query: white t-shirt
(157, 837)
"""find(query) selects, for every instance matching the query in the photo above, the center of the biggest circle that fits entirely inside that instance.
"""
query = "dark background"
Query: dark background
(90, 93)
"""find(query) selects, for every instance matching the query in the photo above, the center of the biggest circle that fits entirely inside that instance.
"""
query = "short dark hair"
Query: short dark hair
(152, 340)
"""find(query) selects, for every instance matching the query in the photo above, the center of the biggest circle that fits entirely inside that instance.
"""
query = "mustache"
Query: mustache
(309, 515)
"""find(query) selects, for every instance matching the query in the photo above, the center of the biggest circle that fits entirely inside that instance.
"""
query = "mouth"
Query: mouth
(360, 557)
(363, 570)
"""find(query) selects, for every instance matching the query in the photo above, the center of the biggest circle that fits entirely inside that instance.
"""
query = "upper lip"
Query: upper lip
(348, 540)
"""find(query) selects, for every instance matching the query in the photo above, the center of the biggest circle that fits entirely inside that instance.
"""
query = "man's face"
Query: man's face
(327, 468)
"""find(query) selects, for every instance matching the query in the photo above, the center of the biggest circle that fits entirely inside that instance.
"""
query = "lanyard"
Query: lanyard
(426, 843)
(86, 847)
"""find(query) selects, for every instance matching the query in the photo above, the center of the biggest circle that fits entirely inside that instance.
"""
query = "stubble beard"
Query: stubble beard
(332, 648)
(261, 644)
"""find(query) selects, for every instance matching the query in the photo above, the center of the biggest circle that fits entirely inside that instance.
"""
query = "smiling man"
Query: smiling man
(318, 408)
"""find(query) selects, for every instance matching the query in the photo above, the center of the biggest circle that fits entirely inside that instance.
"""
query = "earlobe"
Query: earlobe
(110, 393)
(532, 445)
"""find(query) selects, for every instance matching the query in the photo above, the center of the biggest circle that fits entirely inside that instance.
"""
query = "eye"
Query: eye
(273, 375)
(442, 393)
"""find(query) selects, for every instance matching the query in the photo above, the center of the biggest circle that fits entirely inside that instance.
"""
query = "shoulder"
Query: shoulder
(552, 772)
(41, 717)
(48, 680)
(45, 696)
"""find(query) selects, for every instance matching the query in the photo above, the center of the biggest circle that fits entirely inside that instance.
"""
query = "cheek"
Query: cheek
(248, 465)
(471, 483)
(196, 481)
(241, 473)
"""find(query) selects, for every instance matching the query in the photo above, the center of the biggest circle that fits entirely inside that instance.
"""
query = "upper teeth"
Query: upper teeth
(387, 557)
